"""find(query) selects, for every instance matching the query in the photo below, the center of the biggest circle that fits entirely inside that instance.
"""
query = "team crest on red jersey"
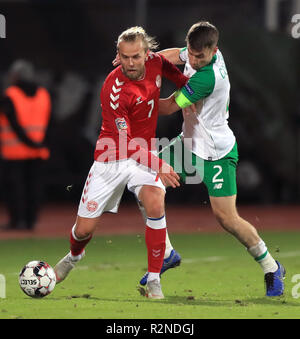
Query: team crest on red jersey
(158, 81)
(121, 123)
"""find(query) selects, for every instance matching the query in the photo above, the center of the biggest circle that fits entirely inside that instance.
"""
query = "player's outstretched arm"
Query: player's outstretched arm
(172, 54)
(168, 105)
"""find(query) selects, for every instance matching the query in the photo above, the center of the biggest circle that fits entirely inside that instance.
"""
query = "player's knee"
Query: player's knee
(84, 227)
(155, 209)
(228, 221)
(153, 202)
(82, 234)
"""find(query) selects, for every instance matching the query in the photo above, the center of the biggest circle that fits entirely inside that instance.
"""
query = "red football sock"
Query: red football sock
(156, 245)
(77, 246)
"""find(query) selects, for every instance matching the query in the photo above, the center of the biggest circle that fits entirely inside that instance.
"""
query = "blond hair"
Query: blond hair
(134, 33)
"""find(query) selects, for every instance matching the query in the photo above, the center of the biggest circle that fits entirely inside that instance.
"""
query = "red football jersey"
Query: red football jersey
(130, 112)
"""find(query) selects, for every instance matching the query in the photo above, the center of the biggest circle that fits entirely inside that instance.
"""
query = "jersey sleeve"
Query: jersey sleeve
(199, 86)
(173, 73)
(183, 55)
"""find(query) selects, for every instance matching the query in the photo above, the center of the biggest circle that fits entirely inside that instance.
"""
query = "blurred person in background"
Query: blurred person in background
(25, 109)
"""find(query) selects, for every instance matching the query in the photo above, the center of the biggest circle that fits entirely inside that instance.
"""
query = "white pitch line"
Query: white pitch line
(290, 254)
(131, 264)
(206, 259)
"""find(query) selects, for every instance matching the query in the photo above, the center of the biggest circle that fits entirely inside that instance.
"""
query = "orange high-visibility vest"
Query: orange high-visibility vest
(32, 114)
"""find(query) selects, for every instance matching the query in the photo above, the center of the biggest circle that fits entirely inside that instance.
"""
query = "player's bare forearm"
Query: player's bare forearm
(172, 54)
(168, 105)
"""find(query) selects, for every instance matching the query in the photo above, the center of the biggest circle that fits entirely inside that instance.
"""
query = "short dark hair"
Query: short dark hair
(201, 35)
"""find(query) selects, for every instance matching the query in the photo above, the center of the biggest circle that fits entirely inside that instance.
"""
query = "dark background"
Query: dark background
(72, 45)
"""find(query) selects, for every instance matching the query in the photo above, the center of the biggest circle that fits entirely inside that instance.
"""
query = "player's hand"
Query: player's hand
(190, 110)
(116, 61)
(168, 176)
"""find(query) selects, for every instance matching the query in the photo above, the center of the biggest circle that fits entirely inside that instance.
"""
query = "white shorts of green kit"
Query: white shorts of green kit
(106, 182)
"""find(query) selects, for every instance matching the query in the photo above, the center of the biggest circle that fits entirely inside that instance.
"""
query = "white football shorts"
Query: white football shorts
(106, 182)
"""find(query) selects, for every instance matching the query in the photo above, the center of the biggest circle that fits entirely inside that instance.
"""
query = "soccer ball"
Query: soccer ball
(37, 279)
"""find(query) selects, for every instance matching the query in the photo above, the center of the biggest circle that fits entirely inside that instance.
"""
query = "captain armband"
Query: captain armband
(181, 100)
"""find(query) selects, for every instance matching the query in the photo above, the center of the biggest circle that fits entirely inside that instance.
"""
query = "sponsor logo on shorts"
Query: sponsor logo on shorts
(218, 186)
(92, 206)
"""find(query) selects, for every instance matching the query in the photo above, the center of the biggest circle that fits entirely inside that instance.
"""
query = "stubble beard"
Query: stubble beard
(137, 75)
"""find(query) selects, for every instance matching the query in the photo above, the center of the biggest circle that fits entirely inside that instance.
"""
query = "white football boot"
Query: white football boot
(65, 265)
(153, 290)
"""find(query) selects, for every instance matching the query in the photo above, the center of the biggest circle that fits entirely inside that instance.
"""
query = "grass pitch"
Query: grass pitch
(217, 279)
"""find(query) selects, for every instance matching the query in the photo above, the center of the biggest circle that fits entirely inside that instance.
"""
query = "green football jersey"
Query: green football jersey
(209, 87)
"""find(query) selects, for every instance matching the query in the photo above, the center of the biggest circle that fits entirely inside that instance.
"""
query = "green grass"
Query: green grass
(217, 279)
